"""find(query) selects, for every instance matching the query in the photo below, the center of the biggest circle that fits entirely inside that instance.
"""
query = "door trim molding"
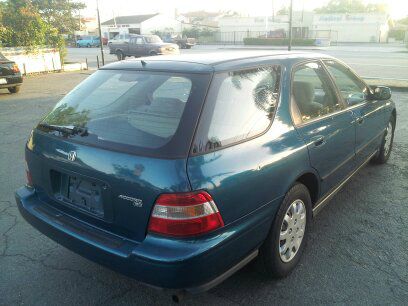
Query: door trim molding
(325, 200)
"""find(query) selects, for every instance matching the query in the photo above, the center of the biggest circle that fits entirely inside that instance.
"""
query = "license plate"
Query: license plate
(3, 81)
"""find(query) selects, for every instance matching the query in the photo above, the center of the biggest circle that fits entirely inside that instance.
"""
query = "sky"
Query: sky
(108, 8)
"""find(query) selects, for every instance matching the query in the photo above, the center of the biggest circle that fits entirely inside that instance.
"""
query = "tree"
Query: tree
(61, 14)
(351, 6)
(23, 26)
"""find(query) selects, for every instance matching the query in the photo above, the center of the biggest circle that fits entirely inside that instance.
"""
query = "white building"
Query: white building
(247, 26)
(363, 27)
(139, 24)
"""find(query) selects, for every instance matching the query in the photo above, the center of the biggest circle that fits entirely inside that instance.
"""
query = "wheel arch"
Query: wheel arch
(312, 182)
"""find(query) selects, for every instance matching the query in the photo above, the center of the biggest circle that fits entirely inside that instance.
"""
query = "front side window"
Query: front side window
(312, 93)
(240, 105)
(351, 88)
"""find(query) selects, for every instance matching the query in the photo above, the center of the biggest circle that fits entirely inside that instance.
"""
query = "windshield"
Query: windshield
(153, 39)
(131, 108)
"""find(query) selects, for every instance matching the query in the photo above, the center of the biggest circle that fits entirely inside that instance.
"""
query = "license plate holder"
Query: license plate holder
(3, 81)
(82, 194)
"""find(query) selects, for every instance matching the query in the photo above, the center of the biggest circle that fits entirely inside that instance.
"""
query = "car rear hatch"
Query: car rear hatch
(135, 133)
(6, 68)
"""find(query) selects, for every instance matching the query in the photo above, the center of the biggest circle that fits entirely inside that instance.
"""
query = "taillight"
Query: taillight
(28, 175)
(15, 68)
(185, 214)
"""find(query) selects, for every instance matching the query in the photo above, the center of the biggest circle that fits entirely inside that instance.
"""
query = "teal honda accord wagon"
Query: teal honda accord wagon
(179, 170)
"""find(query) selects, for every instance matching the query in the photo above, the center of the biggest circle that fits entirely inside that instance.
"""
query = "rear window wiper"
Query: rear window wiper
(67, 130)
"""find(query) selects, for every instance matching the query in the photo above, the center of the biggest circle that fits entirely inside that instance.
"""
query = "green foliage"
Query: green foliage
(277, 41)
(351, 6)
(60, 14)
(196, 32)
(398, 34)
(23, 25)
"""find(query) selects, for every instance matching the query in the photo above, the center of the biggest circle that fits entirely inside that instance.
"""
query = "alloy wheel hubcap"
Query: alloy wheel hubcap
(292, 230)
(388, 139)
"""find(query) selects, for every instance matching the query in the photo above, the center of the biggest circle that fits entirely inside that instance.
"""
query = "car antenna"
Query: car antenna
(143, 63)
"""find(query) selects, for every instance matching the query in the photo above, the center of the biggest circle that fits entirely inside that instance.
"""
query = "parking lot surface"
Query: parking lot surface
(356, 253)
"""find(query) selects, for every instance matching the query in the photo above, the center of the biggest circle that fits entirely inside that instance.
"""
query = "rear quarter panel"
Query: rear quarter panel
(254, 174)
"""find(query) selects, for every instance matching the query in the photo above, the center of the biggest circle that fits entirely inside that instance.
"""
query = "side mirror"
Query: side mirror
(380, 93)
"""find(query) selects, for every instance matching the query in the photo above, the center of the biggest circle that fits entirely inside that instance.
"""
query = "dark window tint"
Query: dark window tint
(239, 106)
(312, 93)
(141, 109)
(351, 88)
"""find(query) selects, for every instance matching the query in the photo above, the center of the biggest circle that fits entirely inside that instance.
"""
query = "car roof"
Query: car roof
(212, 61)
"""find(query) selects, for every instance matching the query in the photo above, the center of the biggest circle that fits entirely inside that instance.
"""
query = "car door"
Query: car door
(324, 122)
(140, 46)
(369, 117)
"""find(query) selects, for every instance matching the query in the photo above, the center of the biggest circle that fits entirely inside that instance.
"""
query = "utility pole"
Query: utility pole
(100, 33)
(290, 25)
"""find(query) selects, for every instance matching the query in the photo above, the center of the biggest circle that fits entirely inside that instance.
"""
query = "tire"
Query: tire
(120, 55)
(153, 53)
(88, 45)
(14, 90)
(385, 149)
(293, 216)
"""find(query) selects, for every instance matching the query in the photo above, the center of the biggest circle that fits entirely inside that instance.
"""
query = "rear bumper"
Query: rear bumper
(12, 81)
(191, 265)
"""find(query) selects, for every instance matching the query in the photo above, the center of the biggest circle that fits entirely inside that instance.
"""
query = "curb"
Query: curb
(395, 84)
(74, 67)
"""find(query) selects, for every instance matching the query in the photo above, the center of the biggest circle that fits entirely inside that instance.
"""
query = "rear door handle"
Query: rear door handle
(318, 141)
(360, 120)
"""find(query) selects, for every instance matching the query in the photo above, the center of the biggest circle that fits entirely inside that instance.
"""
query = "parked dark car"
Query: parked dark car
(10, 76)
(142, 45)
(178, 171)
(183, 42)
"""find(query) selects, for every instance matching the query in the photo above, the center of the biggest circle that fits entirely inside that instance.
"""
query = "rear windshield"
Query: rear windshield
(133, 109)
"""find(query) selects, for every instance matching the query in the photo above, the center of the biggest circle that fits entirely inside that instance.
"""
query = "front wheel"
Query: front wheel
(286, 240)
(120, 55)
(384, 151)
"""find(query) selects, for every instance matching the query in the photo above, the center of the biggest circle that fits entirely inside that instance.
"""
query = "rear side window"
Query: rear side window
(240, 105)
(133, 108)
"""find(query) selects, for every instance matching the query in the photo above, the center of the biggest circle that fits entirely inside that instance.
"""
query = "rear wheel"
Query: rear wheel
(386, 144)
(286, 240)
(13, 90)
(153, 53)
(120, 55)
(88, 45)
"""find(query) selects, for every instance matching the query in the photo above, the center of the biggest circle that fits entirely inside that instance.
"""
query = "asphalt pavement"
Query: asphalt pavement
(356, 253)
